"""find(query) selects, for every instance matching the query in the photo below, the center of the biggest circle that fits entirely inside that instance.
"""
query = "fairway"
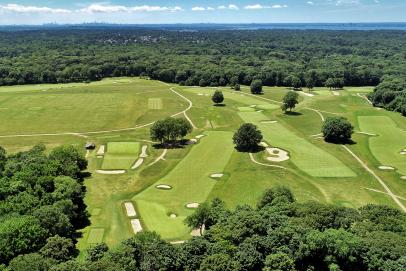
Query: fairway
(120, 155)
(389, 142)
(190, 181)
(155, 103)
(307, 157)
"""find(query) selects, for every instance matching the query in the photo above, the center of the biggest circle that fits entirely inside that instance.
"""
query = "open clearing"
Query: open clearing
(389, 142)
(190, 181)
(170, 180)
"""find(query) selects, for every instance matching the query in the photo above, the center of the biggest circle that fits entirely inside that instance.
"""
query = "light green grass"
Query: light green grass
(309, 158)
(388, 143)
(246, 109)
(155, 103)
(120, 155)
(95, 236)
(190, 181)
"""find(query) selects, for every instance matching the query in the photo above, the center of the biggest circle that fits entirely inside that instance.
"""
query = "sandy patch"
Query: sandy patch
(217, 175)
(144, 152)
(386, 168)
(259, 111)
(138, 163)
(200, 136)
(263, 144)
(403, 177)
(192, 205)
(99, 156)
(269, 121)
(253, 105)
(101, 150)
(365, 133)
(403, 152)
(129, 207)
(136, 224)
(277, 155)
(306, 94)
(173, 216)
(336, 93)
(110, 172)
(200, 94)
(164, 187)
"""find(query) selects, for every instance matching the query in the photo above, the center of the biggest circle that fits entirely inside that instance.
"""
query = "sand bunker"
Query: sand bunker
(259, 111)
(217, 175)
(269, 121)
(307, 94)
(403, 177)
(101, 150)
(144, 151)
(110, 172)
(386, 168)
(173, 216)
(129, 207)
(336, 93)
(200, 94)
(138, 163)
(277, 155)
(200, 136)
(192, 205)
(136, 224)
(263, 144)
(164, 187)
(403, 152)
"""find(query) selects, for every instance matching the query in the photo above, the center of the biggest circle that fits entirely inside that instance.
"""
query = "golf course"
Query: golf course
(137, 184)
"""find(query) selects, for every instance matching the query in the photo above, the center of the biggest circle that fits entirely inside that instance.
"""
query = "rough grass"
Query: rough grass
(309, 158)
(190, 181)
(388, 143)
(155, 103)
(120, 155)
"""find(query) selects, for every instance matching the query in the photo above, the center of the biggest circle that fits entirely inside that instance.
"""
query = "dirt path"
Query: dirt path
(364, 97)
(187, 109)
(383, 184)
(161, 157)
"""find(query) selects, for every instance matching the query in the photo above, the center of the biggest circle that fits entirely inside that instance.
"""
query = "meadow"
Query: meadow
(117, 113)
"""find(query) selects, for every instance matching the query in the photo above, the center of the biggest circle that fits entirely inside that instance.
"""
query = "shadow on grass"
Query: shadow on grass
(176, 144)
(293, 113)
(340, 141)
(255, 149)
(219, 105)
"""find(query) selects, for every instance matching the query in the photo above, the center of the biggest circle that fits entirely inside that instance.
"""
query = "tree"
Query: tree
(256, 87)
(279, 261)
(199, 217)
(3, 159)
(97, 252)
(59, 249)
(170, 129)
(337, 130)
(237, 87)
(233, 81)
(70, 161)
(217, 97)
(247, 137)
(293, 82)
(290, 101)
(32, 262)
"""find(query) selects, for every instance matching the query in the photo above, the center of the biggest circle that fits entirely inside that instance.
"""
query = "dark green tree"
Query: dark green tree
(256, 87)
(217, 97)
(290, 101)
(59, 249)
(247, 137)
(337, 130)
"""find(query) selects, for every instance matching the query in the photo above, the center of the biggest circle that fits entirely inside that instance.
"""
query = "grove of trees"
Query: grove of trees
(169, 130)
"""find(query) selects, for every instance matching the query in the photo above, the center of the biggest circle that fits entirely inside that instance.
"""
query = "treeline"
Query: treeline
(390, 94)
(206, 58)
(41, 205)
(279, 234)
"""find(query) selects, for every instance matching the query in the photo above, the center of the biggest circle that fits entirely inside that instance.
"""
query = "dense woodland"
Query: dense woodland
(294, 58)
(41, 203)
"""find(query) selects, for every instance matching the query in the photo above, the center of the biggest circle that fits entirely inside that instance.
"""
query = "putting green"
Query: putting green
(307, 157)
(120, 155)
(190, 181)
(388, 143)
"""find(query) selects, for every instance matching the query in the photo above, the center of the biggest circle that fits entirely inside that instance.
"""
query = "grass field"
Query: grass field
(190, 181)
(120, 155)
(388, 143)
(307, 157)
(316, 171)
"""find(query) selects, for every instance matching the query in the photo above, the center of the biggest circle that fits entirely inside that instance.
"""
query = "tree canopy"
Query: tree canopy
(290, 100)
(337, 130)
(247, 137)
(256, 87)
(170, 129)
(217, 97)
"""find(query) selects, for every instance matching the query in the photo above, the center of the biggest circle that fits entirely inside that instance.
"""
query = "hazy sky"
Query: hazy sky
(199, 11)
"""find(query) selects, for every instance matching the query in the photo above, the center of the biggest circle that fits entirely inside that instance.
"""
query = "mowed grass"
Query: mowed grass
(120, 155)
(191, 183)
(388, 143)
(307, 157)
(106, 105)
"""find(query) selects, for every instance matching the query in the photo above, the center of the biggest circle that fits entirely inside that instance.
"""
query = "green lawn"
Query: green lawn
(388, 143)
(190, 181)
(120, 155)
(309, 158)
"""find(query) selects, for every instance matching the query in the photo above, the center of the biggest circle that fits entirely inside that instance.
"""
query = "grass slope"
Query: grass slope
(120, 155)
(190, 181)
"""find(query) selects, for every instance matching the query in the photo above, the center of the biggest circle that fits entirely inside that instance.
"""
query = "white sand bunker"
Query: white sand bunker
(263, 144)
(110, 172)
(386, 168)
(217, 175)
(200, 94)
(138, 163)
(403, 177)
(306, 94)
(129, 207)
(136, 224)
(173, 216)
(277, 155)
(144, 152)
(403, 152)
(269, 121)
(200, 136)
(101, 150)
(336, 93)
(164, 187)
(192, 205)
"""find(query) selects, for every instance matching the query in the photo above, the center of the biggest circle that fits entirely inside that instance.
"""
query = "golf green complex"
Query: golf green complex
(136, 184)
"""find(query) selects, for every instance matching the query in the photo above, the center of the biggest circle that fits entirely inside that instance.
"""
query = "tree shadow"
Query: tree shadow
(175, 144)
(255, 149)
(293, 113)
(341, 141)
(219, 105)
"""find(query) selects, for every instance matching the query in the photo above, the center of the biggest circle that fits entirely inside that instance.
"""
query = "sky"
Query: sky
(200, 11)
